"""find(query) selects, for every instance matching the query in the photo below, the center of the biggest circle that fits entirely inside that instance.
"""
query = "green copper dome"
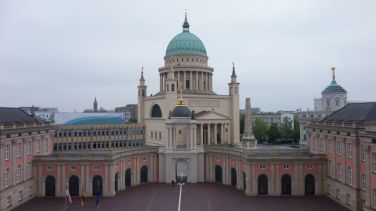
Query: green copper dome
(333, 87)
(185, 43)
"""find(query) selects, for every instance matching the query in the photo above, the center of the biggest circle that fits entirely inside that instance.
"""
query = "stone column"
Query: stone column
(184, 80)
(190, 80)
(222, 137)
(248, 180)
(209, 133)
(228, 134)
(215, 133)
(161, 82)
(202, 134)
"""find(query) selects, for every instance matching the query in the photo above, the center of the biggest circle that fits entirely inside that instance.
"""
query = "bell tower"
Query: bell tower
(234, 106)
(141, 95)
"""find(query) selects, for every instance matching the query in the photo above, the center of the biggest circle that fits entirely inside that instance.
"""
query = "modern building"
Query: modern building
(347, 138)
(22, 138)
(78, 118)
(130, 111)
(274, 117)
(43, 113)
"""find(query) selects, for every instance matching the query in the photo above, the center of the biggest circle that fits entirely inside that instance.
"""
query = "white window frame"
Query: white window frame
(6, 177)
(321, 145)
(28, 170)
(349, 150)
(38, 146)
(20, 195)
(340, 173)
(330, 147)
(46, 144)
(330, 168)
(363, 153)
(348, 199)
(363, 181)
(29, 147)
(339, 147)
(9, 201)
(349, 175)
(18, 174)
(18, 150)
(7, 151)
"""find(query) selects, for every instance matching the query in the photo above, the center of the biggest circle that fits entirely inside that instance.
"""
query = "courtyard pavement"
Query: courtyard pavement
(195, 197)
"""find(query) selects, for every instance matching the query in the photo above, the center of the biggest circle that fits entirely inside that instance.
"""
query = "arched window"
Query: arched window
(156, 111)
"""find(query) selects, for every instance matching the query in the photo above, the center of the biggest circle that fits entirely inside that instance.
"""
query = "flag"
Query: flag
(67, 195)
(82, 198)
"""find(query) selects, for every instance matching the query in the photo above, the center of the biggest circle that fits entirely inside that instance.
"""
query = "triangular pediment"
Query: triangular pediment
(211, 115)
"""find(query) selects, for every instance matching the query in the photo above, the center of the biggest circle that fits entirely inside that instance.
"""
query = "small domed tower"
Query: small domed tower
(334, 96)
(141, 95)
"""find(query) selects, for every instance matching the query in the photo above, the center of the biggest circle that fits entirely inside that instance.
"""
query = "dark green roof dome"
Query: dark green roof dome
(333, 87)
(181, 111)
(185, 43)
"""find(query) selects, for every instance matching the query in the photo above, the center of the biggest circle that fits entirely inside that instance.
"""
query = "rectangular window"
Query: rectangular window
(18, 150)
(348, 199)
(364, 181)
(328, 189)
(321, 143)
(349, 150)
(339, 147)
(30, 191)
(339, 169)
(262, 167)
(7, 152)
(9, 201)
(38, 146)
(309, 166)
(374, 198)
(18, 174)
(20, 195)
(28, 147)
(337, 193)
(349, 175)
(286, 166)
(46, 144)
(6, 178)
(330, 170)
(330, 146)
(363, 153)
(28, 170)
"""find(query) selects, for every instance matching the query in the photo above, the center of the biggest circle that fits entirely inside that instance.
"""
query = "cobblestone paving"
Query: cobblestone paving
(195, 197)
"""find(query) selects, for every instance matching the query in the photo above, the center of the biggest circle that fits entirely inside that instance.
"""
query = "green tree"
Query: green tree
(296, 128)
(286, 130)
(260, 129)
(273, 133)
(132, 120)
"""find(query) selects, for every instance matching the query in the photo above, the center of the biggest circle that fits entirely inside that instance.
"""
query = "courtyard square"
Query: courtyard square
(197, 197)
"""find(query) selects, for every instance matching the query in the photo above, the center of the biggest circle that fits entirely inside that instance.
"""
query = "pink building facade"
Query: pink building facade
(348, 140)
(22, 137)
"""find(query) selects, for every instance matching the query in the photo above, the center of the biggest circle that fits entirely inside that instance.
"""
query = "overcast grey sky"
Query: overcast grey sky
(64, 53)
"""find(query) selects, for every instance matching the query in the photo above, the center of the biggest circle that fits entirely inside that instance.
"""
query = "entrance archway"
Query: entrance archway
(286, 184)
(128, 178)
(50, 186)
(262, 183)
(181, 171)
(97, 185)
(116, 182)
(218, 174)
(144, 174)
(233, 177)
(74, 185)
(309, 181)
